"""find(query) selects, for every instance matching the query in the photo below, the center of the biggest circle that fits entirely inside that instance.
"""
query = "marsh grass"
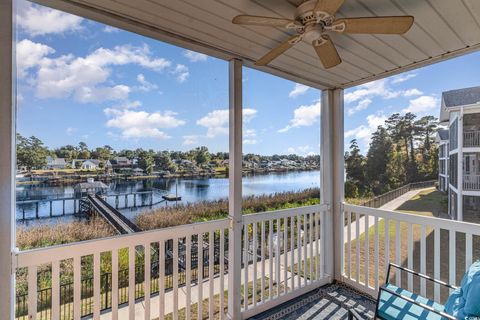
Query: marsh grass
(211, 210)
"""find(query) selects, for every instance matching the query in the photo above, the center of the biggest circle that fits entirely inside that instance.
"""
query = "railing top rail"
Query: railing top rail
(458, 226)
(65, 251)
(47, 200)
(276, 214)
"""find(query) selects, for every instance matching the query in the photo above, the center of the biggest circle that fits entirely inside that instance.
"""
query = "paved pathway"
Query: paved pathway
(392, 205)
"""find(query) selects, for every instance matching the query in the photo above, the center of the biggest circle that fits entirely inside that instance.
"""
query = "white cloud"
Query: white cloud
(403, 77)
(362, 105)
(99, 94)
(181, 72)
(249, 136)
(304, 116)
(117, 109)
(194, 56)
(412, 92)
(216, 121)
(189, 140)
(141, 124)
(301, 150)
(83, 77)
(298, 90)
(145, 85)
(110, 29)
(71, 130)
(29, 55)
(363, 133)
(38, 20)
(378, 88)
(422, 104)
(249, 133)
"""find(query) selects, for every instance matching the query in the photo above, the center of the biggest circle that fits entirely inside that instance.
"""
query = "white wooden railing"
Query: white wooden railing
(438, 247)
(284, 256)
(138, 248)
(471, 138)
(471, 182)
(281, 252)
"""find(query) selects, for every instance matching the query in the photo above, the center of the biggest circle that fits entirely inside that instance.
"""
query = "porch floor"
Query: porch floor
(329, 302)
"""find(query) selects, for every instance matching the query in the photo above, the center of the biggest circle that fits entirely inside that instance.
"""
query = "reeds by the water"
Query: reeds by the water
(48, 235)
(208, 210)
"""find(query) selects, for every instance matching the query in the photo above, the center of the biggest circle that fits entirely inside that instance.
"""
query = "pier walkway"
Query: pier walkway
(117, 220)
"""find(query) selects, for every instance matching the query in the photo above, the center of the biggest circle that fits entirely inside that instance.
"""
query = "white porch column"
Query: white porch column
(7, 161)
(460, 167)
(235, 190)
(332, 179)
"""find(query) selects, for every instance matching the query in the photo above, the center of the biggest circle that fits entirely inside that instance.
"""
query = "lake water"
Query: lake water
(190, 189)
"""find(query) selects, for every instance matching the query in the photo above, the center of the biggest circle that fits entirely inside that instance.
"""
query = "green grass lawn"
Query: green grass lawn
(426, 203)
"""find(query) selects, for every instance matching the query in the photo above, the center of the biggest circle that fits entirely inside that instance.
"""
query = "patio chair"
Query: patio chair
(396, 303)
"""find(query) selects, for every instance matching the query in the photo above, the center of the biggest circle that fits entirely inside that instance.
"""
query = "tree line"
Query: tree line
(32, 154)
(401, 151)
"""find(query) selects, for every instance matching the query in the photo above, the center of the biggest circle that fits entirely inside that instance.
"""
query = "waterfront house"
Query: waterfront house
(120, 162)
(90, 164)
(459, 151)
(55, 163)
(238, 272)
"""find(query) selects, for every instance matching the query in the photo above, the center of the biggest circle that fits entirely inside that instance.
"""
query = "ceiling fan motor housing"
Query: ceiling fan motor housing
(306, 16)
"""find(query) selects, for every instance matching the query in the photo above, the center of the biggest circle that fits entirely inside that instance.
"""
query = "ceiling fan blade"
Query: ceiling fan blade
(275, 52)
(326, 51)
(264, 21)
(329, 6)
(374, 25)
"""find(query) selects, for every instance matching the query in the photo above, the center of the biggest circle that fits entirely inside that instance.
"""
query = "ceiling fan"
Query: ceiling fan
(313, 18)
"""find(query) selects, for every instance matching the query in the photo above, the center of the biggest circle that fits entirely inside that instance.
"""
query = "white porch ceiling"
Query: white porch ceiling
(442, 29)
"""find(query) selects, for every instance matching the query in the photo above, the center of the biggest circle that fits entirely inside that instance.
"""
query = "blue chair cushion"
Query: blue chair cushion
(391, 307)
(455, 304)
(465, 301)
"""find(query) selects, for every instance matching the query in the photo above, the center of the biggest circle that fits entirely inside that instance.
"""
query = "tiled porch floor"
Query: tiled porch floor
(329, 302)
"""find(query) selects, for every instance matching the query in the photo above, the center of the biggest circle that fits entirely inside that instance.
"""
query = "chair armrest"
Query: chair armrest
(353, 315)
(419, 304)
(421, 275)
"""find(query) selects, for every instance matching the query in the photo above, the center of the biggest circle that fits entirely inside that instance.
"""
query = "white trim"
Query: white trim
(235, 189)
(7, 161)
(471, 149)
(460, 166)
(454, 151)
(457, 226)
(450, 186)
(471, 193)
(36, 257)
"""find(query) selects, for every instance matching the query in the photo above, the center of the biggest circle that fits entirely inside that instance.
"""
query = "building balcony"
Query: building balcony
(471, 182)
(471, 139)
(283, 256)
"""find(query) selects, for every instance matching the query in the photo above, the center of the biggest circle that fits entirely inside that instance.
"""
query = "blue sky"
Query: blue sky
(79, 80)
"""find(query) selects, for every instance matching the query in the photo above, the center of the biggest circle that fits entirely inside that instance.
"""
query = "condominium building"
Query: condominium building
(459, 151)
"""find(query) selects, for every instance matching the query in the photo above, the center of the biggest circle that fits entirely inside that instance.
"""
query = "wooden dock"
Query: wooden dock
(116, 219)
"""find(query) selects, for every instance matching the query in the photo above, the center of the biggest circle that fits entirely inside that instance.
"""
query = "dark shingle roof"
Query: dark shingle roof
(443, 134)
(461, 97)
